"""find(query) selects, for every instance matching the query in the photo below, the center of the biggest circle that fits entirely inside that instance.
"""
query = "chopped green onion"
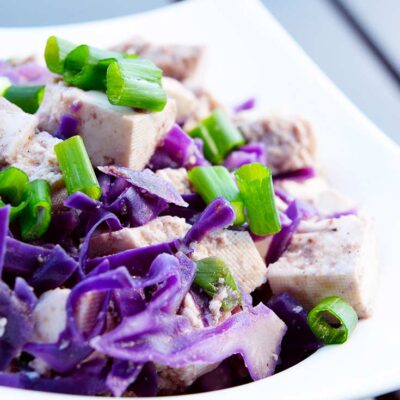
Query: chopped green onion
(55, 53)
(5, 83)
(76, 168)
(213, 274)
(82, 67)
(219, 135)
(35, 218)
(339, 309)
(28, 98)
(13, 183)
(256, 189)
(135, 83)
(211, 182)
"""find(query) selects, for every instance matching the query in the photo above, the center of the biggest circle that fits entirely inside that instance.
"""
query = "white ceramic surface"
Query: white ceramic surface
(250, 54)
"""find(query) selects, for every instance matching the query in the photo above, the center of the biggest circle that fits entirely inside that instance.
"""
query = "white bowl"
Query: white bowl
(250, 54)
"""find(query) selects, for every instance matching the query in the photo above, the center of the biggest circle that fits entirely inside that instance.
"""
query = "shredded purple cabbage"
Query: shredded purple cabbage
(247, 154)
(176, 150)
(299, 341)
(246, 105)
(27, 73)
(68, 126)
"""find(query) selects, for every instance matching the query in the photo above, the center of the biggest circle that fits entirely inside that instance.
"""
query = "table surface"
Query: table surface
(355, 42)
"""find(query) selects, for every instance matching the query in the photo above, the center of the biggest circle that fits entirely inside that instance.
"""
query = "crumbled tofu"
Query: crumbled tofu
(159, 230)
(175, 380)
(178, 178)
(112, 134)
(186, 102)
(240, 254)
(50, 316)
(16, 129)
(290, 142)
(3, 324)
(38, 159)
(215, 306)
(177, 61)
(317, 192)
(337, 259)
(190, 310)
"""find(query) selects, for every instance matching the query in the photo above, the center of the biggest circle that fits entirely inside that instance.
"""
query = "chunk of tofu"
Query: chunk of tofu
(38, 159)
(178, 178)
(50, 315)
(16, 129)
(186, 102)
(177, 61)
(290, 141)
(159, 230)
(238, 251)
(337, 259)
(317, 192)
(112, 134)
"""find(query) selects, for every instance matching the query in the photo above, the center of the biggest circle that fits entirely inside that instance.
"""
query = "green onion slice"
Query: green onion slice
(342, 311)
(212, 274)
(82, 67)
(55, 53)
(76, 168)
(28, 98)
(13, 183)
(211, 182)
(256, 189)
(36, 216)
(135, 83)
(5, 83)
(219, 135)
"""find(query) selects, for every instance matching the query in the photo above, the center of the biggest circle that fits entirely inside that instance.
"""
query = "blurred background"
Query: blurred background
(355, 42)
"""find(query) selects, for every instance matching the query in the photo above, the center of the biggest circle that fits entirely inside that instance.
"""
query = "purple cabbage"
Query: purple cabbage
(68, 126)
(245, 105)
(137, 261)
(247, 154)
(53, 273)
(178, 150)
(280, 242)
(218, 214)
(4, 220)
(301, 174)
(148, 182)
(86, 380)
(299, 341)
(169, 340)
(27, 73)
(25, 293)
(44, 268)
(123, 373)
(16, 325)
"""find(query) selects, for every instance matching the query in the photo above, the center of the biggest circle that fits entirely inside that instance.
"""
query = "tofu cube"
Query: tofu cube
(16, 129)
(159, 230)
(112, 134)
(178, 178)
(337, 259)
(289, 141)
(238, 251)
(316, 191)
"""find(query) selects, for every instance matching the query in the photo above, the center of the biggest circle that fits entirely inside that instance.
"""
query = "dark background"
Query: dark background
(355, 42)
